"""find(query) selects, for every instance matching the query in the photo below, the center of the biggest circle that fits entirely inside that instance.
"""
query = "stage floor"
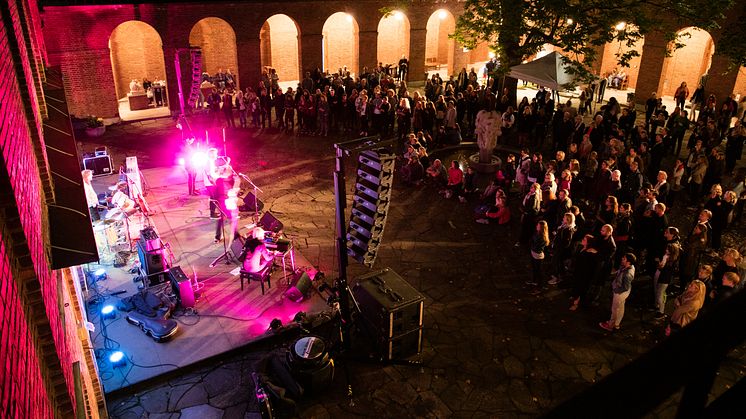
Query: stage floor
(224, 317)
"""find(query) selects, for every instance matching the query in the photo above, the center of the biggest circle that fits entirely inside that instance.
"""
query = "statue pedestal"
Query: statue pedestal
(138, 102)
(480, 167)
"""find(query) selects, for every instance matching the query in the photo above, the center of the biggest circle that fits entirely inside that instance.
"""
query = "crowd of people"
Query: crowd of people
(593, 187)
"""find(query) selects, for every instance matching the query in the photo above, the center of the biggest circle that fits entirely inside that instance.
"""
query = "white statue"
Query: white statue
(136, 88)
(488, 128)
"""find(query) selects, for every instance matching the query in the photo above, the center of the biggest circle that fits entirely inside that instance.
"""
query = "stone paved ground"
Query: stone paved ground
(493, 348)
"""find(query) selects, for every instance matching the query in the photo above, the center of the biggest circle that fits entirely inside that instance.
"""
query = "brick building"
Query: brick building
(45, 370)
(298, 36)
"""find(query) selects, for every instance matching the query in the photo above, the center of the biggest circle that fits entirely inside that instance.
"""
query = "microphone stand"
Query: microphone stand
(227, 256)
(256, 197)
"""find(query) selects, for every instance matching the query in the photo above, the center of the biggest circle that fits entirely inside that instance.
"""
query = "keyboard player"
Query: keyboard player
(258, 257)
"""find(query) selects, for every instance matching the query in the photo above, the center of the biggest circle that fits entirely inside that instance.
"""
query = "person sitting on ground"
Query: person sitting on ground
(455, 181)
(413, 171)
(437, 173)
(499, 213)
(687, 306)
(470, 180)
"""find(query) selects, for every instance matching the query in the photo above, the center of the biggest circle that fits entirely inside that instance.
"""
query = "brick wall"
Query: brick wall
(218, 42)
(136, 53)
(740, 87)
(37, 342)
(280, 46)
(341, 42)
(393, 38)
(688, 63)
(609, 61)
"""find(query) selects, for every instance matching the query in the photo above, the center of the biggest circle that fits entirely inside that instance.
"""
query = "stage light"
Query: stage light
(108, 311)
(117, 359)
(620, 26)
(199, 159)
(569, 21)
(181, 161)
(99, 274)
(491, 54)
(442, 14)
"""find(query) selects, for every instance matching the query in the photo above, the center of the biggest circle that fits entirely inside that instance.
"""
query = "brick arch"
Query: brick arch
(393, 37)
(136, 52)
(439, 48)
(279, 40)
(217, 39)
(341, 42)
(689, 63)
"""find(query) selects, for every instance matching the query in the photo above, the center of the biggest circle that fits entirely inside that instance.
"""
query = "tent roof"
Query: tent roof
(548, 71)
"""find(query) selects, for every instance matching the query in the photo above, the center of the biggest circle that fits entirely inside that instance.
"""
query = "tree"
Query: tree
(518, 29)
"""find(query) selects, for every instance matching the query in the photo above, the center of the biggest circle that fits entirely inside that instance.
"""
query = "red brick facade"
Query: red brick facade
(38, 344)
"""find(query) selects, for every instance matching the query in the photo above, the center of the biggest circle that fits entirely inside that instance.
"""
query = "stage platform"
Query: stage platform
(224, 317)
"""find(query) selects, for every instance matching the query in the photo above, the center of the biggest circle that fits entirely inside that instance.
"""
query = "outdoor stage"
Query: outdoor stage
(224, 317)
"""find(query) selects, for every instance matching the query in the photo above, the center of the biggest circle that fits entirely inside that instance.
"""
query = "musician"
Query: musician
(189, 149)
(210, 175)
(91, 196)
(258, 257)
(225, 199)
(122, 201)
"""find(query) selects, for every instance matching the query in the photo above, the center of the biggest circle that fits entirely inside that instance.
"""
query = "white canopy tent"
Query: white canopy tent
(548, 71)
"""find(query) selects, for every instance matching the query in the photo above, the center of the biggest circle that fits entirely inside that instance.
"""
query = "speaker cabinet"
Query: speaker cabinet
(152, 264)
(100, 165)
(300, 288)
(251, 203)
(182, 287)
(393, 309)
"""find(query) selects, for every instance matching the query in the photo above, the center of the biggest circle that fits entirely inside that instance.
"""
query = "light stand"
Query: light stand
(227, 255)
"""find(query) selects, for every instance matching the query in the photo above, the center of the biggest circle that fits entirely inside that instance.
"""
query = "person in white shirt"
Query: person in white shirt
(91, 196)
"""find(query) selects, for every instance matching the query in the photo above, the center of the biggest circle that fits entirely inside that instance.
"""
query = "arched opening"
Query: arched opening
(439, 47)
(341, 43)
(626, 76)
(689, 63)
(393, 38)
(279, 49)
(217, 40)
(739, 89)
(139, 70)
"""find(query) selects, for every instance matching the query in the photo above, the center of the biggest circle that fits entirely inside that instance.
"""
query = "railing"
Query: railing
(688, 360)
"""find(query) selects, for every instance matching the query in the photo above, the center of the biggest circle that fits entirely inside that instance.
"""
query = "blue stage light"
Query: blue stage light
(108, 311)
(117, 359)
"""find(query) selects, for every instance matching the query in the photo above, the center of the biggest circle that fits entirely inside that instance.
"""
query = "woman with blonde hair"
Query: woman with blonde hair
(531, 207)
(687, 306)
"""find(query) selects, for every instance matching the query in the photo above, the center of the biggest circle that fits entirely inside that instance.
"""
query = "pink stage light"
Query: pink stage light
(181, 161)
(199, 159)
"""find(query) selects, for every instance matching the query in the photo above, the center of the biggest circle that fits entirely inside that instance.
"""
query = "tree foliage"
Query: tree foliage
(518, 29)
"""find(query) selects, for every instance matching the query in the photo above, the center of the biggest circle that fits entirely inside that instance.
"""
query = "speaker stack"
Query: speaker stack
(393, 311)
(196, 56)
(152, 254)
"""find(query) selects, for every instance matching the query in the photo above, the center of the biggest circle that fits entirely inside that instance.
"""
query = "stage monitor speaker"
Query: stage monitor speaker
(152, 264)
(300, 288)
(237, 248)
(251, 203)
(182, 287)
(100, 165)
(270, 223)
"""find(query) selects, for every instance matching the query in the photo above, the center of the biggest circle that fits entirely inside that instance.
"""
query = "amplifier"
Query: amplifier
(402, 346)
(149, 236)
(389, 304)
(100, 165)
(152, 264)
(182, 287)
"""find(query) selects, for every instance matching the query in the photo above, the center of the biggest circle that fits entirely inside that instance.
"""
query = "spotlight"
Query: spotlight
(108, 311)
(181, 161)
(620, 26)
(99, 274)
(117, 359)
(569, 21)
(199, 159)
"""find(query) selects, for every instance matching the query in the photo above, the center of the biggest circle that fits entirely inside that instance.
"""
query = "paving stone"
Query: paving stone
(202, 411)
(231, 397)
(156, 401)
(513, 367)
(187, 395)
(222, 379)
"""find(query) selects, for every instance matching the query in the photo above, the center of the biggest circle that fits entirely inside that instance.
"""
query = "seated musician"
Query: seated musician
(258, 257)
(122, 201)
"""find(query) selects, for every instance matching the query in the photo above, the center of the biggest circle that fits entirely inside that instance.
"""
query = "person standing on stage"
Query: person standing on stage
(90, 195)
(210, 175)
(189, 150)
(226, 204)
